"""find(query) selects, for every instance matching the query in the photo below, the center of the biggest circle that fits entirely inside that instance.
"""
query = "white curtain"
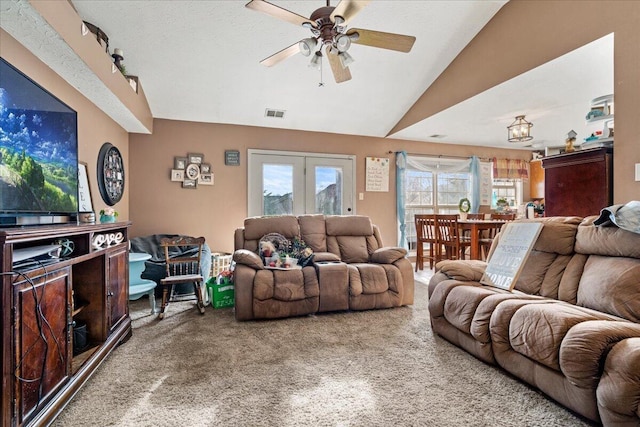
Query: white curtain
(438, 165)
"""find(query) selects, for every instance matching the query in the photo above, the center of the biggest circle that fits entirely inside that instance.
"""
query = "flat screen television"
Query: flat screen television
(38, 153)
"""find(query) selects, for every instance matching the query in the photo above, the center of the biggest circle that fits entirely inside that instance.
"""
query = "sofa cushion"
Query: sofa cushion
(256, 227)
(283, 285)
(607, 241)
(351, 248)
(611, 285)
(349, 226)
(558, 235)
(373, 278)
(314, 232)
(537, 330)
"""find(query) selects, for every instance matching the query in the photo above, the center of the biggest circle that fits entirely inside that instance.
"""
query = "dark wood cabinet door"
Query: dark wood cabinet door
(118, 286)
(42, 355)
(579, 183)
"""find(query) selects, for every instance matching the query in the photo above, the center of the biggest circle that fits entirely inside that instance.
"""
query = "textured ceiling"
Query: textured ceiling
(199, 61)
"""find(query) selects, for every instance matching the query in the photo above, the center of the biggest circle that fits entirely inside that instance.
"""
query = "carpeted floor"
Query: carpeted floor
(374, 368)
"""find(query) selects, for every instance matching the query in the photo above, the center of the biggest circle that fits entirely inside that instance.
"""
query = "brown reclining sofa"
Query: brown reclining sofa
(351, 269)
(570, 327)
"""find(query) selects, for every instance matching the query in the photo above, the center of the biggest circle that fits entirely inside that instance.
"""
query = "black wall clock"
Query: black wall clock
(110, 174)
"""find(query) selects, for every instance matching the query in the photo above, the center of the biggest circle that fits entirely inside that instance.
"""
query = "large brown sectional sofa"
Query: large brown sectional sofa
(570, 327)
(352, 270)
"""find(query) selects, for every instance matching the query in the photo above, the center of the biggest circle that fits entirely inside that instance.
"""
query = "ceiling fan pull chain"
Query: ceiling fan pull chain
(321, 84)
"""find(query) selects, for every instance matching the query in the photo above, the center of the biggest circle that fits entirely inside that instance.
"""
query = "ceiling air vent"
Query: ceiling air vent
(437, 135)
(278, 114)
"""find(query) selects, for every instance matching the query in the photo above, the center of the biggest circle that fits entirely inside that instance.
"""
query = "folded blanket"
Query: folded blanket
(626, 216)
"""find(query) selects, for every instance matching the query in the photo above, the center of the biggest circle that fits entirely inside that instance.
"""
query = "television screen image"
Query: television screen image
(38, 152)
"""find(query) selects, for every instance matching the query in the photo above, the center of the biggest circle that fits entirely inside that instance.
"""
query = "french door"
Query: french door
(292, 183)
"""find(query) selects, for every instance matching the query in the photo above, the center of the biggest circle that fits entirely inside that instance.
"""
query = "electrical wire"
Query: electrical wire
(41, 322)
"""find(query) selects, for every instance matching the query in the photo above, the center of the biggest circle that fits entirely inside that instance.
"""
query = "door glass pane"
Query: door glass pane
(277, 189)
(328, 189)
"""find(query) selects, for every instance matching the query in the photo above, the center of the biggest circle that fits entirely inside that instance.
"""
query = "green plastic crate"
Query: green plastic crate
(221, 295)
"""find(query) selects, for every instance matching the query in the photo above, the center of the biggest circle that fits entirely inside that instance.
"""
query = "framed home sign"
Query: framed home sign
(508, 258)
(232, 157)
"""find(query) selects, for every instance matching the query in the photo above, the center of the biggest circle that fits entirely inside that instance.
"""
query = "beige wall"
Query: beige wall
(161, 206)
(94, 127)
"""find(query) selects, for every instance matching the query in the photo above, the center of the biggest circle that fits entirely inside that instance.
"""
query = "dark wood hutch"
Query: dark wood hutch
(578, 183)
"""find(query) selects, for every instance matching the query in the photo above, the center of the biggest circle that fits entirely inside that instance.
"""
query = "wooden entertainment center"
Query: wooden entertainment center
(42, 303)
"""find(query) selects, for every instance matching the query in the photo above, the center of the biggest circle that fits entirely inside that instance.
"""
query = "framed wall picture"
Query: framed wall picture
(110, 174)
(180, 163)
(190, 183)
(177, 175)
(192, 171)
(232, 158)
(196, 158)
(205, 168)
(206, 179)
(84, 191)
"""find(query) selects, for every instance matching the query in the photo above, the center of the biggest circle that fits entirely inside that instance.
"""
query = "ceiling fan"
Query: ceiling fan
(328, 25)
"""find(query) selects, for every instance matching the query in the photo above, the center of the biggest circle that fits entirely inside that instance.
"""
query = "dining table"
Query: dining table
(475, 227)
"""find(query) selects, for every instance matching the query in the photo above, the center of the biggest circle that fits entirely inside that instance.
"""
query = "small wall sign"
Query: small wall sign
(232, 158)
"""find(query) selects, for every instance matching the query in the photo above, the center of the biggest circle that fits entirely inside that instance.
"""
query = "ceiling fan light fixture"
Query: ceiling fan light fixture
(345, 59)
(343, 42)
(316, 60)
(519, 130)
(307, 46)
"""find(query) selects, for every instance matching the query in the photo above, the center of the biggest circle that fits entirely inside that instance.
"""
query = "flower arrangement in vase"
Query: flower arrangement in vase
(108, 215)
(502, 204)
(286, 253)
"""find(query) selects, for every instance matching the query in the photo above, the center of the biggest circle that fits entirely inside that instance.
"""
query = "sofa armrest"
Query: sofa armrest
(463, 270)
(388, 255)
(248, 258)
(586, 345)
(618, 392)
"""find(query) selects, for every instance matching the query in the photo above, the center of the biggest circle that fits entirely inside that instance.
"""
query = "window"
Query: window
(433, 190)
(510, 189)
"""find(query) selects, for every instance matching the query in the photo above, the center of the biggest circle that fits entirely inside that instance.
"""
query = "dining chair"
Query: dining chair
(182, 269)
(475, 216)
(504, 216)
(447, 237)
(465, 234)
(425, 234)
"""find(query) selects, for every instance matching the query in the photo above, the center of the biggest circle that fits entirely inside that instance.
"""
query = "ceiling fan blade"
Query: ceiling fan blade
(347, 9)
(339, 73)
(282, 55)
(278, 12)
(382, 40)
